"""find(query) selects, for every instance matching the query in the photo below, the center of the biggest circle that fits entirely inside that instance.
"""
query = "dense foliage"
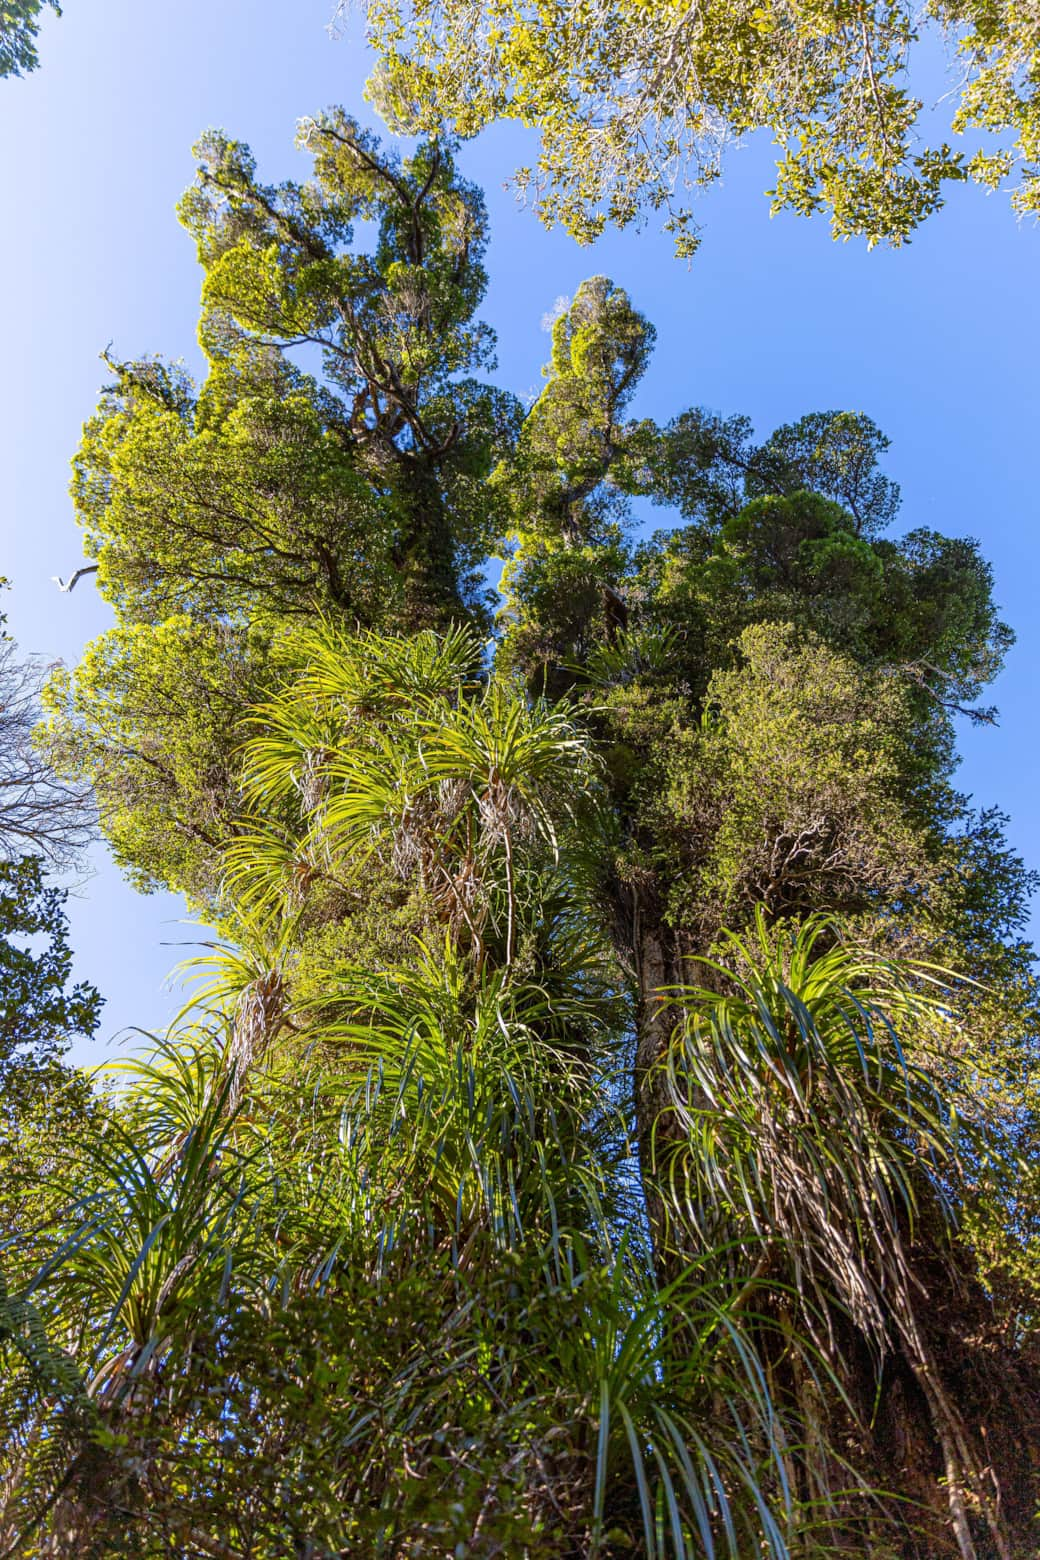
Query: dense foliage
(37, 1012)
(635, 103)
(606, 1122)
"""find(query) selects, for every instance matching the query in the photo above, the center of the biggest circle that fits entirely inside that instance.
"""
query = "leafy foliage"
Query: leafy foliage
(151, 719)
(457, 1165)
(266, 487)
(37, 1012)
(19, 24)
(219, 515)
(636, 104)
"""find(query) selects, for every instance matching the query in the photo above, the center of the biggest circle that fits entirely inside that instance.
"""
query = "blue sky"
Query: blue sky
(938, 342)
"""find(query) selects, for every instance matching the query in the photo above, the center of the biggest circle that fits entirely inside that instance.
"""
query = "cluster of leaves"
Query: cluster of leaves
(635, 104)
(19, 24)
(37, 1011)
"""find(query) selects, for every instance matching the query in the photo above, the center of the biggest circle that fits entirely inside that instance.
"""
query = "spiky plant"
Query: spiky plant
(358, 1260)
(805, 1131)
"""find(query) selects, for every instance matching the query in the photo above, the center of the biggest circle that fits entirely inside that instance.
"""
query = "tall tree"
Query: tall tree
(220, 516)
(635, 104)
(650, 869)
(776, 697)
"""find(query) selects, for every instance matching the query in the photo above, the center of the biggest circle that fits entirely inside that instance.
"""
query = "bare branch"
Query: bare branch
(70, 583)
(39, 812)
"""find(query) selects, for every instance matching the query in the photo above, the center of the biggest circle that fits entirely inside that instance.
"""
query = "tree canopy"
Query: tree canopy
(606, 1124)
(636, 103)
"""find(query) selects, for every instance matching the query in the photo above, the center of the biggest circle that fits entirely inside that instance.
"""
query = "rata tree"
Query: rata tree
(332, 461)
(414, 850)
(774, 679)
(774, 683)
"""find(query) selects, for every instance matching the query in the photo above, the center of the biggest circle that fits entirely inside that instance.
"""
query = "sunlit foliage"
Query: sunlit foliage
(636, 103)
